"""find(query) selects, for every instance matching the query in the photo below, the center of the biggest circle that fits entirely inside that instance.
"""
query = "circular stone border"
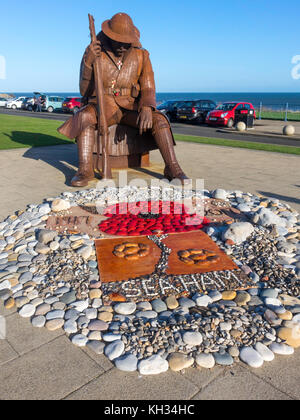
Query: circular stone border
(54, 281)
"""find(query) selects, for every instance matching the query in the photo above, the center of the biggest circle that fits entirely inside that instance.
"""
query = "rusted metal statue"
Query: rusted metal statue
(129, 98)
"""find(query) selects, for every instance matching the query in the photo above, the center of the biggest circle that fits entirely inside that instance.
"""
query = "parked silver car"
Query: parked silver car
(3, 102)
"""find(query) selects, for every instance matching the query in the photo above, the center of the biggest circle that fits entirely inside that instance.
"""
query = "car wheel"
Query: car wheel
(50, 109)
(29, 108)
(14, 107)
(230, 123)
(200, 119)
(76, 109)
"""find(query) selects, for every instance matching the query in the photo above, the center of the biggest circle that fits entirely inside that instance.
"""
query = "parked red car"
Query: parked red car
(71, 105)
(225, 113)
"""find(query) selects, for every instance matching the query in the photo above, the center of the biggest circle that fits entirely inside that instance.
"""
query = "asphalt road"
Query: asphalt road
(178, 128)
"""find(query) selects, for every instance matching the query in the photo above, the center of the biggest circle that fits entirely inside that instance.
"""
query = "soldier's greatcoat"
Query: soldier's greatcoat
(128, 86)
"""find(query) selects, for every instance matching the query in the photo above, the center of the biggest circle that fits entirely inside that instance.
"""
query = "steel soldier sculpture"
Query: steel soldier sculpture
(129, 97)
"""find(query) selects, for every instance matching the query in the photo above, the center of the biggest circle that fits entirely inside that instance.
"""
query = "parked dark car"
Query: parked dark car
(195, 111)
(28, 104)
(169, 108)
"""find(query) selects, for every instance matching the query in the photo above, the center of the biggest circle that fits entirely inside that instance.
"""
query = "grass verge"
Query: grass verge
(25, 132)
(19, 132)
(241, 144)
(279, 115)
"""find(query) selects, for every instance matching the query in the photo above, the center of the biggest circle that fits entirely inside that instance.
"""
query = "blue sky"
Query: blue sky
(195, 45)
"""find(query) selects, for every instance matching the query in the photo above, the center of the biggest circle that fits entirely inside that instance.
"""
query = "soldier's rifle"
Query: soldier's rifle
(102, 121)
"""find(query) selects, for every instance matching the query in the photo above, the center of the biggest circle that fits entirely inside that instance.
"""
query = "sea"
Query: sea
(273, 101)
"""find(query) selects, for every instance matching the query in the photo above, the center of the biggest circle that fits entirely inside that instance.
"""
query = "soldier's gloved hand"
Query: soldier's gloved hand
(145, 119)
(92, 52)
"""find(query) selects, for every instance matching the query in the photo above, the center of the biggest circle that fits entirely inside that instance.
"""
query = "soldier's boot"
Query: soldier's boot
(164, 140)
(85, 145)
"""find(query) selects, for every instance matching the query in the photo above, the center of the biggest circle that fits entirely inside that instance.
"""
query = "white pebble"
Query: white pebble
(126, 308)
(192, 338)
(205, 360)
(153, 365)
(27, 311)
(251, 357)
(281, 348)
(264, 351)
(114, 349)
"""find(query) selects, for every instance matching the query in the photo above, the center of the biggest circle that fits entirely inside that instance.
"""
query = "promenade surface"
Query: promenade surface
(38, 364)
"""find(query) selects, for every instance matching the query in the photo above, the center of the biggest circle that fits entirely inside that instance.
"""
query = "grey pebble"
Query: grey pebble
(126, 363)
(96, 346)
(38, 321)
(56, 314)
(114, 349)
(68, 297)
(224, 359)
(70, 326)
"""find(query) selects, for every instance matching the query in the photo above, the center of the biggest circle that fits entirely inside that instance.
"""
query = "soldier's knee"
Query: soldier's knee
(160, 121)
(87, 117)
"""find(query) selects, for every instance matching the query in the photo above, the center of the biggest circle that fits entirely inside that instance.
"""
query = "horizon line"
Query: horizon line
(173, 92)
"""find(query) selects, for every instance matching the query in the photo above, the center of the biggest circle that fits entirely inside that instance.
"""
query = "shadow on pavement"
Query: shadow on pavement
(281, 197)
(149, 172)
(61, 158)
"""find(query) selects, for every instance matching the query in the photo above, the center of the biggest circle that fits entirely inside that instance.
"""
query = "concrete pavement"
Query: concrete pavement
(271, 128)
(38, 364)
(30, 175)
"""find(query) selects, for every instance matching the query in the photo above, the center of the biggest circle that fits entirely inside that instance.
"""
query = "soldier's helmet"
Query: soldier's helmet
(120, 28)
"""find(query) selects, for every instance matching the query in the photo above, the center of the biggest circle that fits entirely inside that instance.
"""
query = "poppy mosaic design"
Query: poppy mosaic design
(150, 217)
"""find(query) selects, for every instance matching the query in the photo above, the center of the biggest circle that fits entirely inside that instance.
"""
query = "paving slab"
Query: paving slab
(117, 385)
(283, 373)
(7, 353)
(23, 337)
(100, 359)
(49, 372)
(238, 383)
(202, 377)
(6, 312)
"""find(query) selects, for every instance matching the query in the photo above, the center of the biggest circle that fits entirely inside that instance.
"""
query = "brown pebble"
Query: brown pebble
(117, 297)
(130, 251)
(119, 254)
(143, 253)
(95, 294)
(120, 247)
(132, 257)
(9, 303)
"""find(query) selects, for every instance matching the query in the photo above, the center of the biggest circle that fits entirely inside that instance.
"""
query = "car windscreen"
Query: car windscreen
(225, 107)
(187, 104)
(163, 105)
(206, 104)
